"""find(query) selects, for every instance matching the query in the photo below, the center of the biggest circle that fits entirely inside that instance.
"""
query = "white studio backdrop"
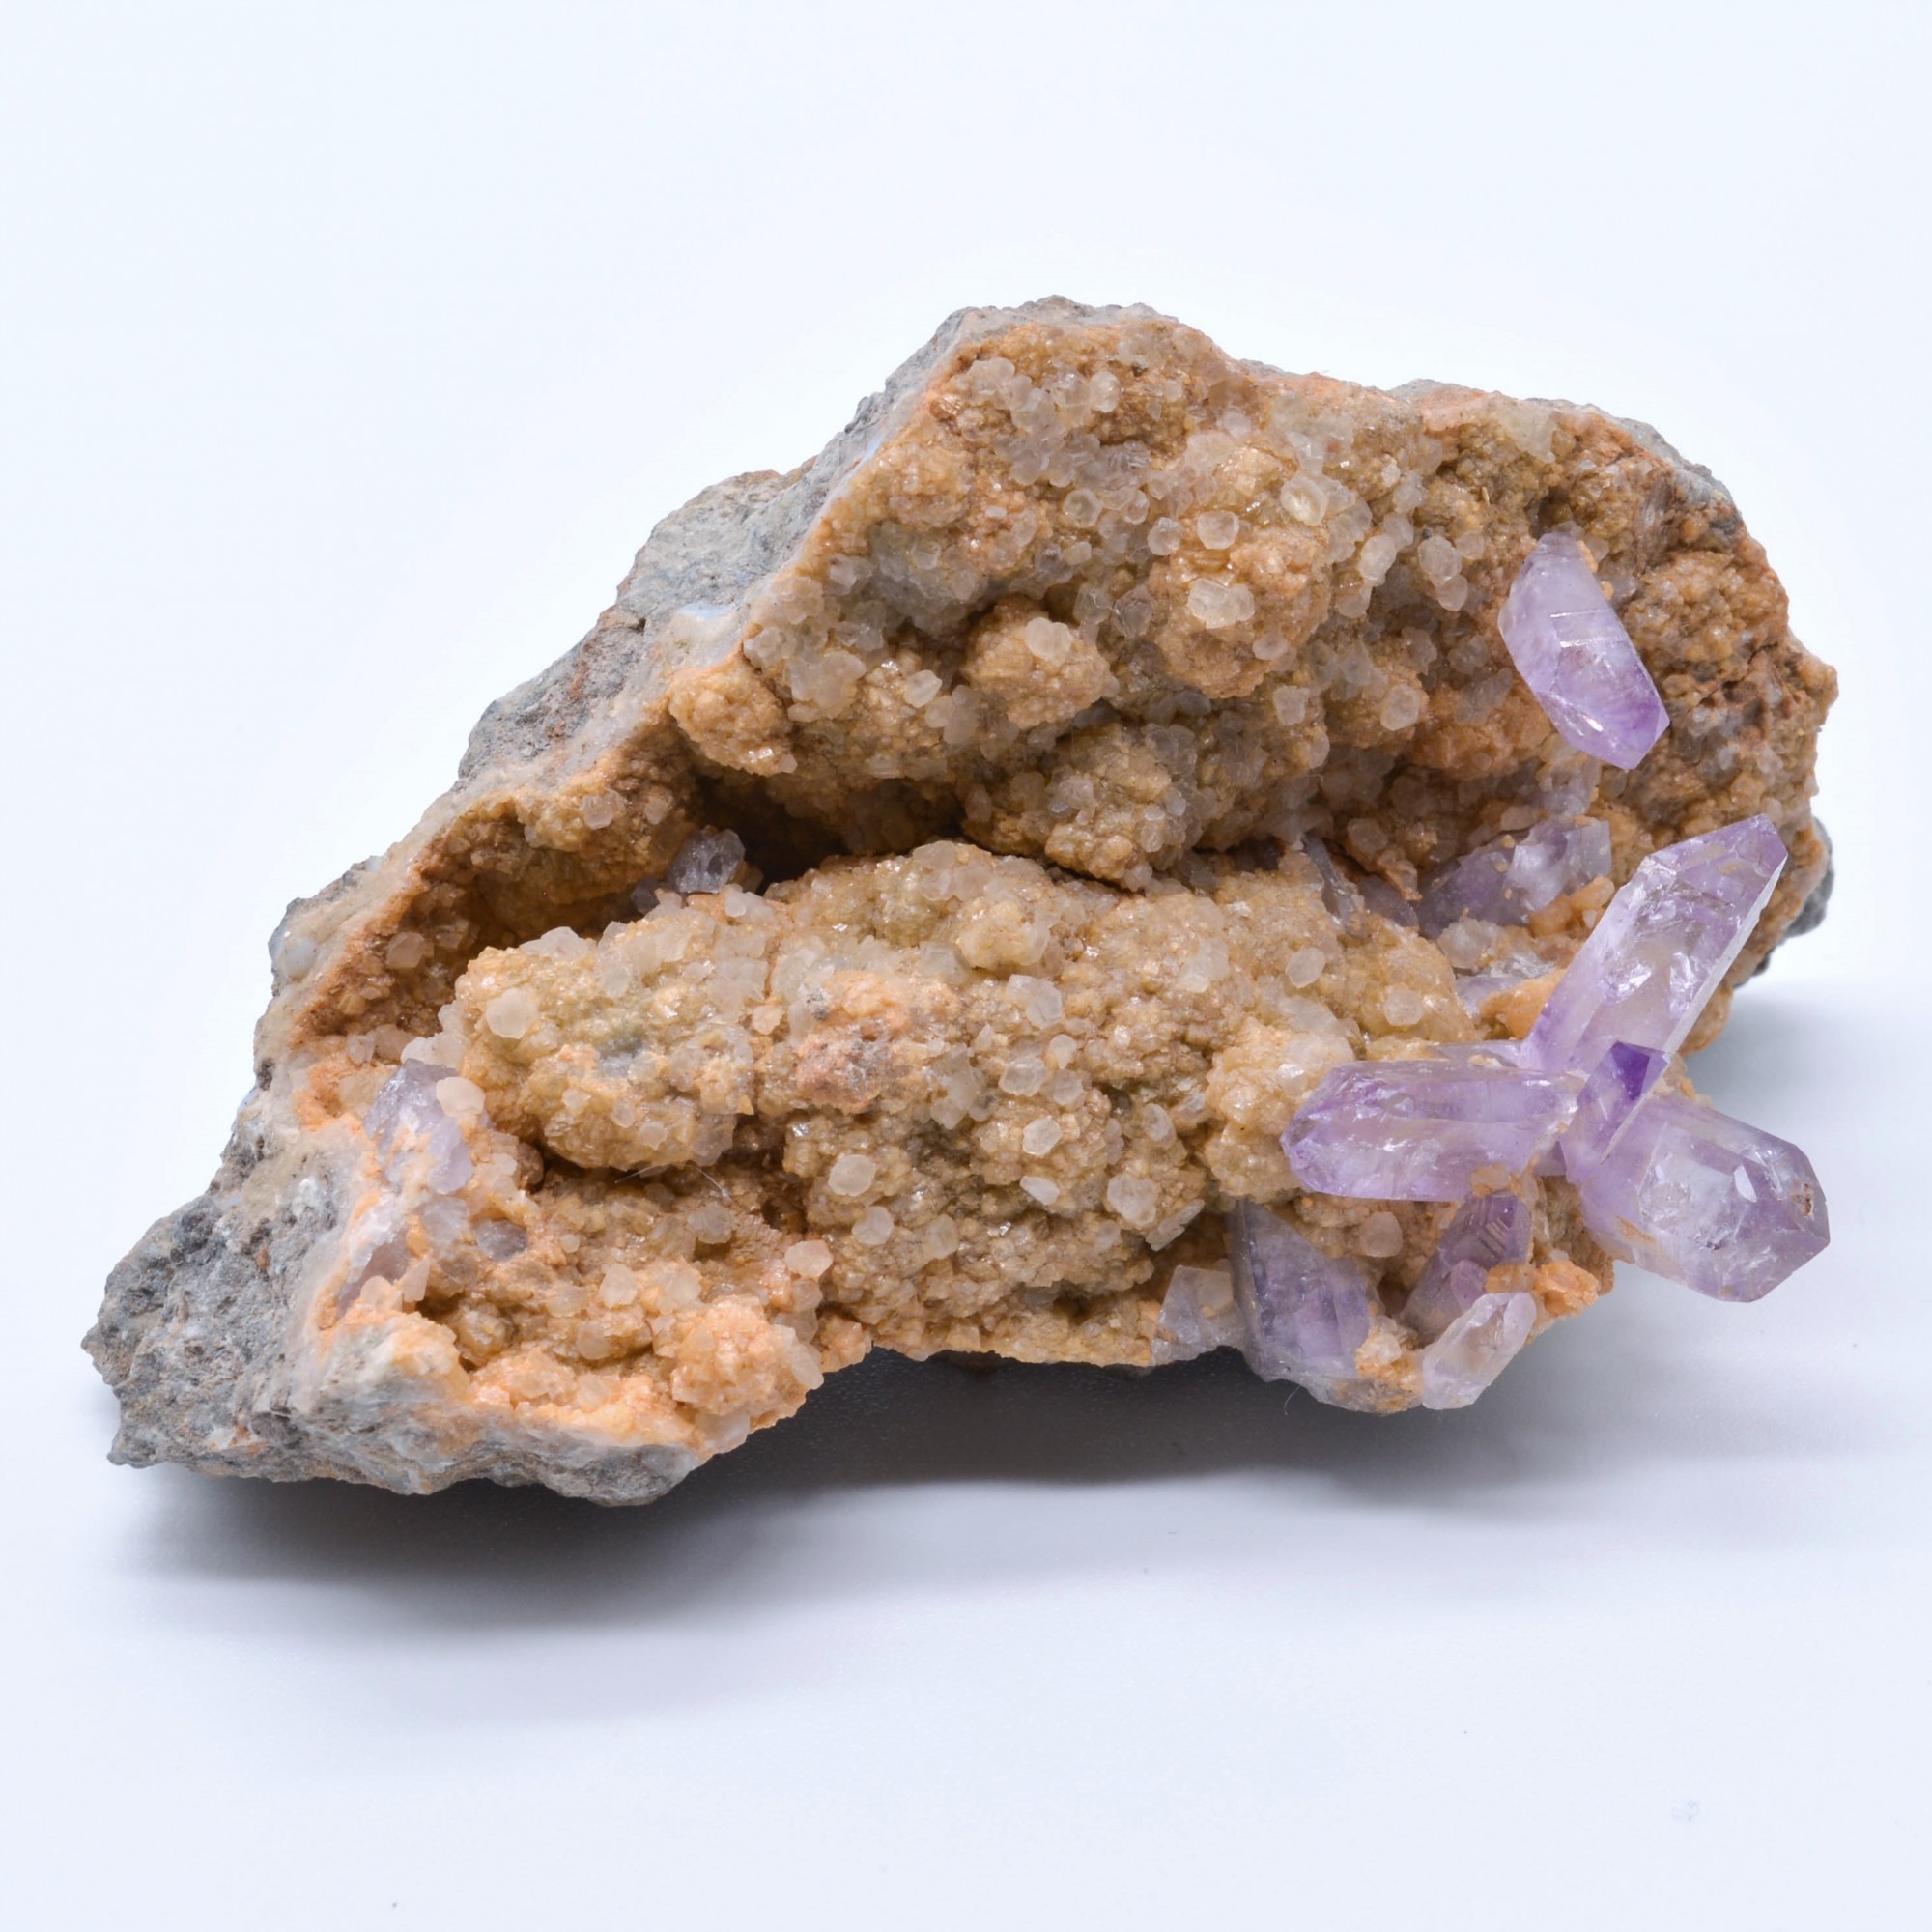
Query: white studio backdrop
(347, 354)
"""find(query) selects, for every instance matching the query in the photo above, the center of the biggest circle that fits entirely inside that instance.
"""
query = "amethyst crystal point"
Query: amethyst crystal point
(1305, 1313)
(1624, 1076)
(1662, 948)
(1576, 657)
(413, 1137)
(1198, 1314)
(1491, 1231)
(1687, 1192)
(1424, 1129)
(1508, 880)
(1476, 1348)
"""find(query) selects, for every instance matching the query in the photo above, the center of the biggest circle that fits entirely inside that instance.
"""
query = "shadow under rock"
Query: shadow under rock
(1595, 1400)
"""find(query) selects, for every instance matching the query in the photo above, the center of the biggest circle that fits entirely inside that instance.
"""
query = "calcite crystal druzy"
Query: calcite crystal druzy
(913, 915)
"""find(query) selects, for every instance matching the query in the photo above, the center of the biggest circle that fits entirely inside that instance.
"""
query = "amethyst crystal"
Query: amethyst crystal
(1304, 1313)
(1197, 1314)
(1491, 1231)
(1424, 1129)
(1612, 1093)
(1476, 1348)
(707, 862)
(1662, 948)
(1664, 1179)
(1508, 880)
(406, 1122)
(1687, 1192)
(1576, 657)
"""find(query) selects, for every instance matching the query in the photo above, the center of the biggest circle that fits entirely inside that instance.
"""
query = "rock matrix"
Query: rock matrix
(916, 912)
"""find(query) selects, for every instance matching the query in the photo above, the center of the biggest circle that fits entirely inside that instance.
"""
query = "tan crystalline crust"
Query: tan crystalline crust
(1028, 693)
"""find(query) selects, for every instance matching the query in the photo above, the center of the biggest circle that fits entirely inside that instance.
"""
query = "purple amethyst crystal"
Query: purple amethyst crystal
(1624, 1076)
(1476, 1348)
(1344, 904)
(1576, 657)
(707, 862)
(1491, 1231)
(1304, 1313)
(1662, 948)
(1424, 1129)
(1508, 880)
(1687, 1192)
(405, 1120)
(1197, 1314)
(1665, 1180)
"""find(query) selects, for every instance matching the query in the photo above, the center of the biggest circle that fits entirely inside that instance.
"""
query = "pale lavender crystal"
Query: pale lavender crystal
(1490, 1230)
(1624, 1076)
(1689, 1193)
(1197, 1314)
(1421, 1130)
(1383, 898)
(1662, 948)
(1576, 657)
(1344, 902)
(1506, 881)
(707, 862)
(407, 1123)
(1304, 1313)
(1476, 1348)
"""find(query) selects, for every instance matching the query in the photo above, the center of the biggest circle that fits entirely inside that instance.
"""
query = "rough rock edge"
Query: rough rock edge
(196, 1330)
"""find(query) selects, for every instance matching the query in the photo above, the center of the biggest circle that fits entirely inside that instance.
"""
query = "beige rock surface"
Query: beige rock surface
(1039, 701)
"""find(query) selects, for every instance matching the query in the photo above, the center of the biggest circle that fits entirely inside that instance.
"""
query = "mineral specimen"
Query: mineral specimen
(914, 912)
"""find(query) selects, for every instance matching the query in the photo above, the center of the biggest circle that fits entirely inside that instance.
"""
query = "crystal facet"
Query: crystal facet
(413, 1135)
(1508, 880)
(1424, 1129)
(1662, 948)
(1198, 1314)
(1689, 1193)
(1613, 1091)
(1305, 1313)
(1476, 1348)
(1576, 657)
(1490, 1230)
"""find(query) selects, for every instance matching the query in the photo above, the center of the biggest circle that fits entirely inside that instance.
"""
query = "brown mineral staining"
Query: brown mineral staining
(1033, 699)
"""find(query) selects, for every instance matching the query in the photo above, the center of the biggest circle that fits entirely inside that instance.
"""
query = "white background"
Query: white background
(347, 355)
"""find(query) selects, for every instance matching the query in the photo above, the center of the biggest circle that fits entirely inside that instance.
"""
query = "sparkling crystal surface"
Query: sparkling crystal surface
(1490, 1230)
(1689, 1193)
(1506, 881)
(1424, 1129)
(1476, 1348)
(1576, 657)
(1616, 1086)
(1662, 948)
(1304, 1312)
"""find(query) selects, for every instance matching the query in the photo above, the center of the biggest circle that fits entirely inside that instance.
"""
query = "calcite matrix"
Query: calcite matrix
(916, 912)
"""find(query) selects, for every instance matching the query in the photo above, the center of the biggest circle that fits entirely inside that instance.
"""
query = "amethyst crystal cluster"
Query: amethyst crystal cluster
(1664, 1180)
